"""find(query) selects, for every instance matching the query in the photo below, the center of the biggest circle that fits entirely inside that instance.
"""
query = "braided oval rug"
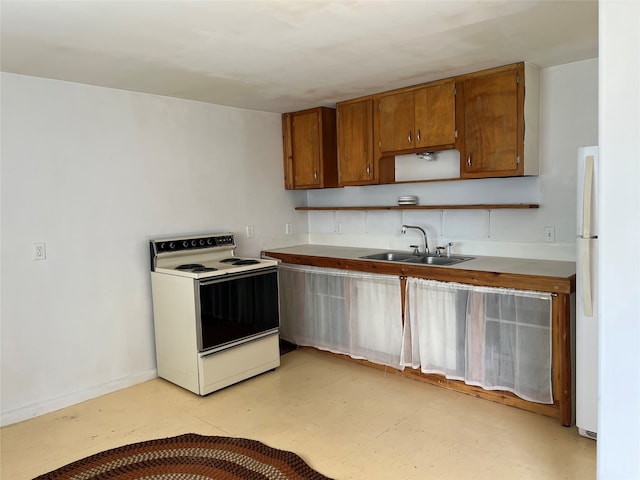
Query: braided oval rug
(190, 457)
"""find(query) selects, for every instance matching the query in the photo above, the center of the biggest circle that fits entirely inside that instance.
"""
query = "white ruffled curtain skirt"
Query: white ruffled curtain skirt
(353, 313)
(494, 338)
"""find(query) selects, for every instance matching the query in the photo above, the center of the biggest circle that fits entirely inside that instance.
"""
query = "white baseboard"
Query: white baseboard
(53, 404)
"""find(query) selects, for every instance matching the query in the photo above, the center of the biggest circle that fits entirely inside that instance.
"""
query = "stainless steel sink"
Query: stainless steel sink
(435, 260)
(390, 256)
(404, 257)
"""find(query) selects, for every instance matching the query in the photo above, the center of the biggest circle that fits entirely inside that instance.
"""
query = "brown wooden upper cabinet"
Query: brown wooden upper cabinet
(495, 113)
(488, 116)
(309, 143)
(417, 119)
(355, 142)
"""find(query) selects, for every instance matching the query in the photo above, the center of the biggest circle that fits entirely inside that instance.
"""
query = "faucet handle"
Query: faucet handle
(449, 245)
(416, 249)
(439, 251)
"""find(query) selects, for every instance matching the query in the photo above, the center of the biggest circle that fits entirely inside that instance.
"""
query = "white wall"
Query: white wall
(95, 173)
(619, 265)
(569, 119)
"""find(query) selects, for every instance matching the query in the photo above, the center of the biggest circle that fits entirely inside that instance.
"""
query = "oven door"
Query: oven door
(235, 308)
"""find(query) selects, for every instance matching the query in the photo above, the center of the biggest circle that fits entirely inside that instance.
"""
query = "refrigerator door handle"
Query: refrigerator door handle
(585, 253)
(587, 194)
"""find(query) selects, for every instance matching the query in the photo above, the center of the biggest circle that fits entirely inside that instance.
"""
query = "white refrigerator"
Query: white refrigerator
(587, 294)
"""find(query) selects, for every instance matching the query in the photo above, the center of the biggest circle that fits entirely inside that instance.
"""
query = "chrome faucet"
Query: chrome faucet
(424, 235)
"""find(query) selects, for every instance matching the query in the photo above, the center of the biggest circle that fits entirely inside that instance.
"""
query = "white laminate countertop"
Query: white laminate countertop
(518, 266)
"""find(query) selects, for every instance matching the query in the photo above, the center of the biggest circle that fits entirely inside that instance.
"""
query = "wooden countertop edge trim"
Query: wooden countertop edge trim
(430, 207)
(558, 285)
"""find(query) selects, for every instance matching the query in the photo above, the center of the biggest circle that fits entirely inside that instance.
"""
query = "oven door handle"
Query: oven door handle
(238, 275)
(238, 342)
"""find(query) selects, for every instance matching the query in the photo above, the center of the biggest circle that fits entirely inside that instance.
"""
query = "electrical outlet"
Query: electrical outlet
(39, 251)
(550, 234)
(288, 227)
(250, 231)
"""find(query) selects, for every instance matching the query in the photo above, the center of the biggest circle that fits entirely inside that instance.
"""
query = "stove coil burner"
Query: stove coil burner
(196, 268)
(240, 261)
(247, 262)
(204, 269)
(189, 266)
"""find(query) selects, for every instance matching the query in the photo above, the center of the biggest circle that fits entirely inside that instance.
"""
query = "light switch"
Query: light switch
(550, 234)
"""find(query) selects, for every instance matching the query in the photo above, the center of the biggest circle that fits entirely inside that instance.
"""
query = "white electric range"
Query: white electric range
(216, 315)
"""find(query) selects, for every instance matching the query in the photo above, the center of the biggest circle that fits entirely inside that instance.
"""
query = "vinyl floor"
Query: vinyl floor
(346, 420)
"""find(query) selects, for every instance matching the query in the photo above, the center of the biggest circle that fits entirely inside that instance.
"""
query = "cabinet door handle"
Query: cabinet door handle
(315, 175)
(469, 161)
(409, 137)
(418, 136)
(368, 169)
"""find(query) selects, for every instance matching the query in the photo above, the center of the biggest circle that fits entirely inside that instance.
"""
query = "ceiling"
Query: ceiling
(283, 56)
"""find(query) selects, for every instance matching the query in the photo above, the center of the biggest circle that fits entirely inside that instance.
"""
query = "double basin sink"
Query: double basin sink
(405, 257)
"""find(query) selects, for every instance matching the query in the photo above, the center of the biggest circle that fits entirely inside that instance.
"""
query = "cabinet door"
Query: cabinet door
(435, 109)
(491, 124)
(396, 122)
(287, 150)
(355, 143)
(305, 132)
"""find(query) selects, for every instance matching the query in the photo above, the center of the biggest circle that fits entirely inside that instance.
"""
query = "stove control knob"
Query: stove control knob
(201, 242)
(185, 244)
(172, 245)
(194, 243)
(209, 241)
